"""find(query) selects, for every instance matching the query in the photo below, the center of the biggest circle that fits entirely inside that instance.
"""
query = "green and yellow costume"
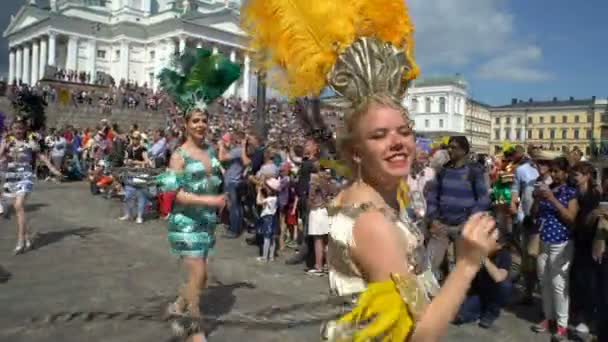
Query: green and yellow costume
(195, 79)
(192, 228)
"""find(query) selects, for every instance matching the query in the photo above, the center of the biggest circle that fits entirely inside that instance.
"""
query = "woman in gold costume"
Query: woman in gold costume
(363, 50)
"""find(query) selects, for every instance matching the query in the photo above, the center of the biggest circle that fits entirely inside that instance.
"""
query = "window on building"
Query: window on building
(564, 119)
(541, 119)
(427, 123)
(442, 105)
(576, 119)
(507, 134)
(497, 134)
(518, 134)
(564, 134)
(576, 134)
(519, 120)
(589, 133)
(552, 119)
(497, 121)
(529, 134)
(564, 149)
(508, 120)
(427, 105)
(440, 123)
(117, 54)
(414, 104)
(552, 132)
(101, 54)
(529, 120)
(152, 55)
(540, 134)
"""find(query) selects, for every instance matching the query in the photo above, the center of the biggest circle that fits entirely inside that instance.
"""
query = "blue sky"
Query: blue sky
(503, 48)
(518, 48)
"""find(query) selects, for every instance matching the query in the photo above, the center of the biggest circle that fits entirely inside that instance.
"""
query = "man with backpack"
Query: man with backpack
(458, 191)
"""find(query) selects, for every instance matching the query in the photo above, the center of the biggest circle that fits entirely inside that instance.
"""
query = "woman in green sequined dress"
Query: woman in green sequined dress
(195, 175)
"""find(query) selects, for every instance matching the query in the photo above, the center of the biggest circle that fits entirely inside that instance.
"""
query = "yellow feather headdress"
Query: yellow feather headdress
(357, 47)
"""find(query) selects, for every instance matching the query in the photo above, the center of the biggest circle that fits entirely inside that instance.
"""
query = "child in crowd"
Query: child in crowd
(294, 229)
(285, 185)
(267, 199)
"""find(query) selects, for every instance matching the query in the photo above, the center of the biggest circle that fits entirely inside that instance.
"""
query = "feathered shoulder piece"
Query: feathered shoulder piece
(197, 78)
(30, 108)
(357, 47)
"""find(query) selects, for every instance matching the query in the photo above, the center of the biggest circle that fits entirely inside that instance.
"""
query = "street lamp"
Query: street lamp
(261, 104)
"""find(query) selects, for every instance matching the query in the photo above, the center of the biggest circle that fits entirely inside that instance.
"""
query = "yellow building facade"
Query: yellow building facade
(557, 125)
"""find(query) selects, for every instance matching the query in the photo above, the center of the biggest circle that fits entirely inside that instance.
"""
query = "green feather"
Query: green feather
(198, 76)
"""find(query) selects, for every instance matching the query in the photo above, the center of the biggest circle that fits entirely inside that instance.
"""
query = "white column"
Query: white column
(25, 76)
(246, 77)
(92, 59)
(199, 45)
(52, 47)
(43, 58)
(182, 45)
(124, 60)
(215, 51)
(147, 7)
(232, 89)
(18, 63)
(11, 67)
(35, 61)
(72, 57)
(53, 4)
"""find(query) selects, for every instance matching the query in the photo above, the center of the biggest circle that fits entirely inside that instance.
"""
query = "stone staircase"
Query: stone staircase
(90, 116)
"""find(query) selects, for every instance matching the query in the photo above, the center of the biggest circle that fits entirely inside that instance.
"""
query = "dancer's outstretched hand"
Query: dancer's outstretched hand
(479, 238)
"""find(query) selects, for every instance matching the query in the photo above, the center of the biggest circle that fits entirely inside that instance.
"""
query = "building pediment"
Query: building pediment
(226, 20)
(26, 17)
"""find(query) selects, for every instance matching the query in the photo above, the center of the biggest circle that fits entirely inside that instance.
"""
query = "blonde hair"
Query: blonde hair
(348, 137)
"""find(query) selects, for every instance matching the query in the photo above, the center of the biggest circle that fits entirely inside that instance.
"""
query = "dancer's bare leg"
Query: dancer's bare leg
(198, 338)
(197, 280)
(19, 206)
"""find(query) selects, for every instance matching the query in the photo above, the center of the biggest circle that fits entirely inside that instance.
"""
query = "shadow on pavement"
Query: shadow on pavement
(218, 300)
(48, 238)
(5, 275)
(29, 207)
(530, 312)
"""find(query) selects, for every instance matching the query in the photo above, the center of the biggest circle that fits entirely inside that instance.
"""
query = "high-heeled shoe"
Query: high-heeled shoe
(20, 248)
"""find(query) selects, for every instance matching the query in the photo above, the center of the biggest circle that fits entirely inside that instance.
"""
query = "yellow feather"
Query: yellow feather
(389, 21)
(303, 38)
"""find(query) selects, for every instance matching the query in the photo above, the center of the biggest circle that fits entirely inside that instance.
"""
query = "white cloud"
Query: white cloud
(473, 34)
(516, 65)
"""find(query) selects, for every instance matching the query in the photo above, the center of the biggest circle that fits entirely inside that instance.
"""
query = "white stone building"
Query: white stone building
(438, 105)
(478, 123)
(130, 40)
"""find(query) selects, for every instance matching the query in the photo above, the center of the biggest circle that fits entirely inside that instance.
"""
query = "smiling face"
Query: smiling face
(384, 144)
(196, 125)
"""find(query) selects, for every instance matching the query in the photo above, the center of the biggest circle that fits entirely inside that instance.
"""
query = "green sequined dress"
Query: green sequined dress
(192, 228)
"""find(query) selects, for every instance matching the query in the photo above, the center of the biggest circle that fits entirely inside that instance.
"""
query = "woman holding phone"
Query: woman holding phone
(557, 210)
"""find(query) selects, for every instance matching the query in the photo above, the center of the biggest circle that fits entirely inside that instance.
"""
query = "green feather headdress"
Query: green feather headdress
(198, 77)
